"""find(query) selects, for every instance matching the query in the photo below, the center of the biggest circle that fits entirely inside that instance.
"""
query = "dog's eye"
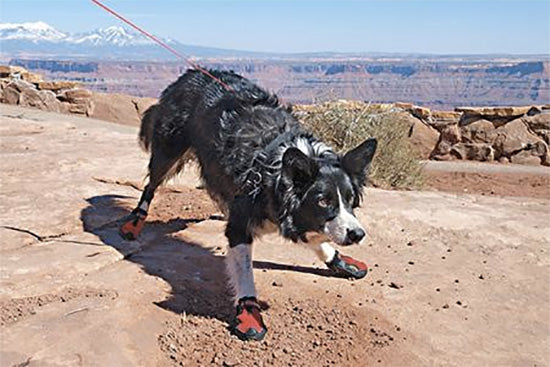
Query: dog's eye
(323, 202)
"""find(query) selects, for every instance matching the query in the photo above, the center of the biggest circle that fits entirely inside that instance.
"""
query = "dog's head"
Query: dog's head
(324, 192)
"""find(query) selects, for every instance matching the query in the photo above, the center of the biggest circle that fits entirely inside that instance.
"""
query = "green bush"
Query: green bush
(344, 125)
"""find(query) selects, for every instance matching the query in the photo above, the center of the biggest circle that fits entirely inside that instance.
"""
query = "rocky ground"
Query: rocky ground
(456, 278)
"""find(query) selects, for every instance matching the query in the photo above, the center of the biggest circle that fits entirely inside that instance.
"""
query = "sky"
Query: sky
(436, 27)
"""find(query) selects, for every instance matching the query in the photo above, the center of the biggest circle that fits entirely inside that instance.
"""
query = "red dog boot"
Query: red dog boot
(347, 266)
(133, 225)
(248, 321)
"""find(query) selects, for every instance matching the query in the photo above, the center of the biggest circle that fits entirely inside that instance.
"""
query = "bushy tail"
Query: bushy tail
(147, 127)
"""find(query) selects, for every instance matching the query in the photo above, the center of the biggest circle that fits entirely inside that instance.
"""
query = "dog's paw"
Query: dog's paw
(347, 266)
(249, 324)
(133, 225)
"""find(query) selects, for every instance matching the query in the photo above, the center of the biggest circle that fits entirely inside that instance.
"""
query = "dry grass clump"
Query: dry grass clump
(345, 124)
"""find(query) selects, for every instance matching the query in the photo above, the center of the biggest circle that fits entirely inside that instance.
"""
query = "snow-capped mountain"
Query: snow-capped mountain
(115, 42)
(35, 32)
(115, 35)
(43, 32)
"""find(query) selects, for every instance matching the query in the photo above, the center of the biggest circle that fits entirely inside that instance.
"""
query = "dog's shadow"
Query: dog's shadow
(196, 274)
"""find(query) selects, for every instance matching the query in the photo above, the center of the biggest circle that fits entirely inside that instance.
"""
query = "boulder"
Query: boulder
(115, 107)
(441, 119)
(514, 137)
(43, 99)
(56, 85)
(422, 113)
(403, 105)
(449, 135)
(8, 71)
(422, 137)
(72, 95)
(22, 85)
(5, 71)
(538, 122)
(480, 131)
(142, 104)
(473, 151)
(12, 91)
(544, 135)
(10, 95)
(31, 77)
(491, 112)
(525, 157)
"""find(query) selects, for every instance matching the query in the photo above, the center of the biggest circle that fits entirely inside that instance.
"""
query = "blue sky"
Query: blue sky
(443, 27)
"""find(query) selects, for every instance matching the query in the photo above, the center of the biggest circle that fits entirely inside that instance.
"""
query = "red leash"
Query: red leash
(158, 41)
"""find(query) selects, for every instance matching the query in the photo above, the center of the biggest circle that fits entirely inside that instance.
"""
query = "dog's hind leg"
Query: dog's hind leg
(161, 165)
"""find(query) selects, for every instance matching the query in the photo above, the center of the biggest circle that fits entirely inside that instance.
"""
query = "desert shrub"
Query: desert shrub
(344, 125)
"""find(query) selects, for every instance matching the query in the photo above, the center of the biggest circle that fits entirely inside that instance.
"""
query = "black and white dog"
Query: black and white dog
(264, 171)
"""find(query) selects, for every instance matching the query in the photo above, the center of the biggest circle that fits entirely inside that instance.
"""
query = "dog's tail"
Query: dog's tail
(147, 127)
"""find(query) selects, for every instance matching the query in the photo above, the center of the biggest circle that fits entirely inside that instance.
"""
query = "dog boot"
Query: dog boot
(133, 224)
(347, 267)
(248, 321)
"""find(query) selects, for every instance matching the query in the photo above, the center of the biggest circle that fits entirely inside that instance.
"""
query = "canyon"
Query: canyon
(433, 81)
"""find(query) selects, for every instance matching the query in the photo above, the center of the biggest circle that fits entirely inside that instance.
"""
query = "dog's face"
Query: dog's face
(328, 191)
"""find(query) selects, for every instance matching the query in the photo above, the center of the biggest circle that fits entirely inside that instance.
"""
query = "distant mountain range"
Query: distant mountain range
(116, 42)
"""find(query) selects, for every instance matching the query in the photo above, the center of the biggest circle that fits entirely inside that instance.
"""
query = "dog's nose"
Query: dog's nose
(355, 235)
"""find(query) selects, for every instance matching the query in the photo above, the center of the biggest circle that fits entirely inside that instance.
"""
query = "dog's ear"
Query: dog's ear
(298, 169)
(356, 162)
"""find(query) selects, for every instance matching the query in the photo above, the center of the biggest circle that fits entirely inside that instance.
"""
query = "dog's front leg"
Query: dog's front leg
(342, 265)
(248, 324)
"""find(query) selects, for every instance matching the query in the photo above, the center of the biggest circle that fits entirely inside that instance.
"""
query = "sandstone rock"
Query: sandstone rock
(373, 107)
(10, 95)
(449, 135)
(56, 85)
(142, 104)
(22, 85)
(441, 119)
(442, 151)
(12, 91)
(525, 157)
(422, 113)
(446, 115)
(80, 108)
(44, 100)
(5, 71)
(473, 151)
(538, 122)
(8, 71)
(480, 131)
(422, 137)
(72, 95)
(403, 105)
(544, 135)
(118, 108)
(31, 77)
(506, 111)
(514, 137)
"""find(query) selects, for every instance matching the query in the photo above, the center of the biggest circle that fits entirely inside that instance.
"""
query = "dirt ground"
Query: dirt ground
(455, 278)
(488, 179)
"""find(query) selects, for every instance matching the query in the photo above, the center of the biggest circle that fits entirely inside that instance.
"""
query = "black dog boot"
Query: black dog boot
(348, 267)
(249, 324)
